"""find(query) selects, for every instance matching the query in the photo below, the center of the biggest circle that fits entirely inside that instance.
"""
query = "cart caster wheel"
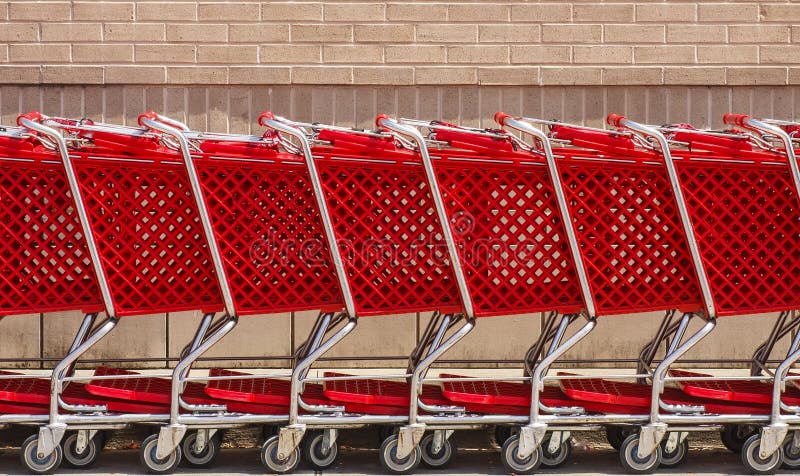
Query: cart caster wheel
(632, 463)
(502, 433)
(394, 465)
(675, 457)
(557, 458)
(85, 458)
(734, 436)
(153, 465)
(754, 462)
(791, 454)
(617, 434)
(318, 457)
(440, 459)
(269, 458)
(35, 464)
(516, 465)
(205, 458)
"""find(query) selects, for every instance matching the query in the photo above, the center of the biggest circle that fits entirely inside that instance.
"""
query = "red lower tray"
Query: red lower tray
(22, 409)
(633, 394)
(379, 392)
(733, 390)
(514, 398)
(27, 390)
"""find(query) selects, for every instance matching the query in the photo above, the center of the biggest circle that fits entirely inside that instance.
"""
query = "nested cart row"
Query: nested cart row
(533, 216)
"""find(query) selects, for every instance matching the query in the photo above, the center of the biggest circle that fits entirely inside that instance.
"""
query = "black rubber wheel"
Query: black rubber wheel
(36, 465)
(791, 454)
(675, 457)
(631, 461)
(86, 458)
(754, 462)
(205, 458)
(734, 436)
(555, 459)
(269, 458)
(617, 434)
(154, 465)
(315, 454)
(394, 465)
(516, 465)
(502, 433)
(440, 459)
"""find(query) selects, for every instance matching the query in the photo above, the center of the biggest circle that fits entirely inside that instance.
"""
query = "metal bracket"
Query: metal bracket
(408, 438)
(530, 437)
(169, 437)
(329, 437)
(82, 441)
(557, 438)
(674, 438)
(772, 438)
(50, 436)
(650, 437)
(439, 437)
(200, 440)
(289, 438)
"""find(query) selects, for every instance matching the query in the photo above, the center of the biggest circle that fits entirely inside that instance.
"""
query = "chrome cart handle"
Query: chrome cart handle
(155, 117)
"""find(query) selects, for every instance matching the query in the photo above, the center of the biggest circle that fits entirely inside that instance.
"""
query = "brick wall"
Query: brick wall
(400, 43)
(217, 65)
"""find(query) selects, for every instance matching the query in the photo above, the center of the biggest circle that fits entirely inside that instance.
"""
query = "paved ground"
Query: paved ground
(476, 456)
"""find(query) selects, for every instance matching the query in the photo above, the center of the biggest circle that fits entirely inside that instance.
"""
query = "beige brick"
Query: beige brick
(564, 76)
(72, 32)
(135, 74)
(352, 54)
(159, 53)
(39, 11)
(780, 12)
(571, 33)
(166, 11)
(694, 75)
(297, 54)
(102, 11)
(780, 54)
(478, 12)
(664, 54)
(4, 11)
(629, 76)
(16, 32)
(432, 33)
(391, 75)
(72, 75)
(227, 54)
(758, 34)
(666, 12)
(547, 12)
(3, 53)
(384, 33)
(757, 76)
(445, 75)
(795, 33)
(605, 12)
(509, 33)
(696, 34)
(228, 11)
(144, 32)
(540, 54)
(415, 54)
(727, 54)
(353, 12)
(196, 33)
(261, 33)
(38, 53)
(103, 53)
(197, 75)
(728, 12)
(602, 54)
(19, 74)
(633, 33)
(794, 75)
(416, 12)
(259, 75)
(477, 54)
(273, 11)
(322, 75)
(514, 75)
(321, 33)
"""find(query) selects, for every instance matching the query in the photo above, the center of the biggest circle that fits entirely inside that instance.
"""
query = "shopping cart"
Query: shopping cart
(768, 218)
